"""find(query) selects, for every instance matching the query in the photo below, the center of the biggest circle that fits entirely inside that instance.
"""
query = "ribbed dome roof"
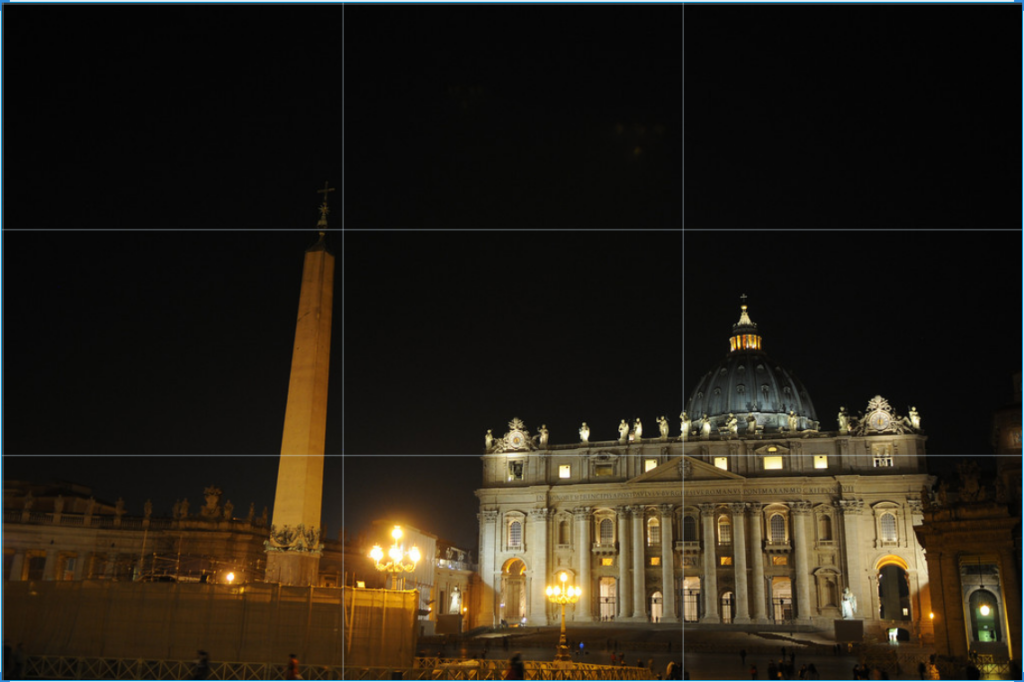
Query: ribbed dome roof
(747, 381)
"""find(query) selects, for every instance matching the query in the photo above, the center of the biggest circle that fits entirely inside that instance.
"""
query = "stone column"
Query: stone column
(739, 543)
(668, 574)
(1011, 600)
(489, 592)
(709, 586)
(855, 578)
(583, 517)
(625, 589)
(50, 567)
(952, 598)
(539, 554)
(801, 510)
(17, 565)
(639, 571)
(757, 562)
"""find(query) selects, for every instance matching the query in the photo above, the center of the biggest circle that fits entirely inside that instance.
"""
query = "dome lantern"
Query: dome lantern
(744, 333)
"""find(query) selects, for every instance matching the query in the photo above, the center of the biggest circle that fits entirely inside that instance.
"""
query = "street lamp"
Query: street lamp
(563, 594)
(397, 563)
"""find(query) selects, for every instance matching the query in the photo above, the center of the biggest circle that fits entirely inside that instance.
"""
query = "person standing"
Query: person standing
(516, 669)
(293, 668)
(202, 669)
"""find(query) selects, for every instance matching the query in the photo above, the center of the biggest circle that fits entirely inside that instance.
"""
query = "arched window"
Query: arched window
(887, 524)
(825, 529)
(607, 532)
(563, 532)
(777, 525)
(653, 531)
(515, 534)
(724, 530)
(689, 529)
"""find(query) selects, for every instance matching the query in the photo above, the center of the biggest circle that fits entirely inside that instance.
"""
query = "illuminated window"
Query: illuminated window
(821, 461)
(780, 561)
(773, 462)
(887, 524)
(515, 534)
(607, 561)
(655, 561)
(564, 470)
(653, 531)
(724, 531)
(725, 560)
(650, 464)
(515, 470)
(603, 470)
(722, 463)
(606, 531)
(883, 461)
(777, 526)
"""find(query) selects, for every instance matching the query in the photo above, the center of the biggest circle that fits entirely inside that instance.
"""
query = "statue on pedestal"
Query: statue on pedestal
(705, 427)
(844, 420)
(663, 427)
(751, 424)
(793, 420)
(584, 433)
(849, 604)
(543, 434)
(488, 439)
(732, 425)
(623, 431)
(684, 425)
(638, 429)
(915, 419)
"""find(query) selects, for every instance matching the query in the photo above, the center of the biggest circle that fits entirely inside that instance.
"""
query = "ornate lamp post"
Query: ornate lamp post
(397, 563)
(563, 594)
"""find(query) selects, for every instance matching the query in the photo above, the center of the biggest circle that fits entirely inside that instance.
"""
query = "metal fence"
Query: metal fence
(430, 668)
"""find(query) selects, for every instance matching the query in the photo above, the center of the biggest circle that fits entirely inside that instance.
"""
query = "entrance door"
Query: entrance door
(607, 597)
(656, 607)
(513, 592)
(691, 599)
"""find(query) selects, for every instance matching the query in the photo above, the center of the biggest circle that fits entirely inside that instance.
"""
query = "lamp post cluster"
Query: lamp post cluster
(563, 594)
(397, 563)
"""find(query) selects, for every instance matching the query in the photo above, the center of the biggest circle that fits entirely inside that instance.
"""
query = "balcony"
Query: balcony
(605, 549)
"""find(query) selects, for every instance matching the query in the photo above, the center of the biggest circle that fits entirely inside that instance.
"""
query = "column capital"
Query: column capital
(637, 510)
(707, 508)
(800, 507)
(622, 511)
(666, 509)
(851, 507)
(582, 513)
(539, 514)
(755, 507)
(738, 508)
(488, 515)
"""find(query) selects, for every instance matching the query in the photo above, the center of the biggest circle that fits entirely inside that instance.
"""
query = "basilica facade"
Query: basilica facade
(742, 512)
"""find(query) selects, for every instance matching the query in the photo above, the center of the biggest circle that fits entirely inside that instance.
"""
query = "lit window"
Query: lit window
(883, 461)
(653, 531)
(773, 462)
(724, 531)
(515, 534)
(777, 525)
(564, 471)
(603, 470)
(607, 561)
(722, 463)
(780, 561)
(725, 560)
(821, 461)
(650, 464)
(888, 526)
(607, 532)
(655, 561)
(515, 470)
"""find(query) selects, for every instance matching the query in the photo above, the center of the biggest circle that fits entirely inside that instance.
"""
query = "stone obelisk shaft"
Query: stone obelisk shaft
(293, 551)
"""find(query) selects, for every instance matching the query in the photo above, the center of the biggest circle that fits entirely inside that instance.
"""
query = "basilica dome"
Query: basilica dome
(748, 382)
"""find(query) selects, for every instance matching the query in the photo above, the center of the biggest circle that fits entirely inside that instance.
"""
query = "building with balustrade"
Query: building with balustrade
(744, 512)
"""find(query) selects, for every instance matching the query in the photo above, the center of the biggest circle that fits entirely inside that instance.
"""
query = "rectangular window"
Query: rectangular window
(780, 561)
(655, 561)
(607, 561)
(883, 462)
(773, 462)
(725, 560)
(603, 470)
(722, 463)
(564, 470)
(650, 464)
(821, 461)
(515, 470)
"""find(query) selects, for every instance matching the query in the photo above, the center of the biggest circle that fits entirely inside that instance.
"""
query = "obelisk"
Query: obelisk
(293, 550)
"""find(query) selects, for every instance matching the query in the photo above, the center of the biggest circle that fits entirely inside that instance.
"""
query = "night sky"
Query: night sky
(549, 212)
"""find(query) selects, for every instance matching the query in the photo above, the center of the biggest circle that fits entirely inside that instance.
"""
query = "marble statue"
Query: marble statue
(705, 426)
(732, 424)
(252, 513)
(228, 510)
(684, 425)
(623, 431)
(543, 434)
(844, 420)
(793, 420)
(584, 433)
(915, 419)
(849, 604)
(176, 509)
(751, 424)
(488, 439)
(638, 429)
(147, 509)
(663, 427)
(183, 509)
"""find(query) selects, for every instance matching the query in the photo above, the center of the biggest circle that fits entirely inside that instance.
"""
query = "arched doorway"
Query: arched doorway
(606, 586)
(656, 607)
(893, 589)
(984, 608)
(692, 610)
(513, 591)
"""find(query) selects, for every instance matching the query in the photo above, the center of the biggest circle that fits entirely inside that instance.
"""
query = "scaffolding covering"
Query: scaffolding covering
(256, 623)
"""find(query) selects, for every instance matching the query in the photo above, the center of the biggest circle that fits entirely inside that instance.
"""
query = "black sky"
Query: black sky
(513, 182)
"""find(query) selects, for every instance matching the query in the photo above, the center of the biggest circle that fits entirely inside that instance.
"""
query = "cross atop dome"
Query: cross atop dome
(744, 332)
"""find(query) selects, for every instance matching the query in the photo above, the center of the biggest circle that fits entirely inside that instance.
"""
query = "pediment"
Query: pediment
(688, 469)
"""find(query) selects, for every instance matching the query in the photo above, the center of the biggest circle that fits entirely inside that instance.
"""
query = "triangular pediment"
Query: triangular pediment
(688, 469)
